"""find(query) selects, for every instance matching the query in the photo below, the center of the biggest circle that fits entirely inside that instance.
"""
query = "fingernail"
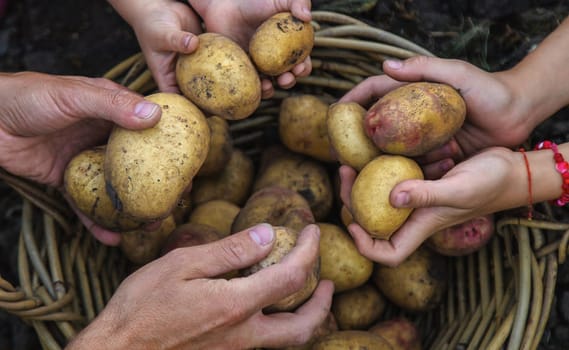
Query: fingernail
(402, 199)
(394, 64)
(145, 110)
(306, 11)
(262, 234)
(187, 41)
(446, 165)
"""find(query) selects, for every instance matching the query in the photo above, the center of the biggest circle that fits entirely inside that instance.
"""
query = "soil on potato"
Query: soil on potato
(83, 37)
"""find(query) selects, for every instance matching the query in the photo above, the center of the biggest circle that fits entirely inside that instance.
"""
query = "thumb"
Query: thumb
(103, 99)
(237, 251)
(299, 8)
(179, 41)
(423, 193)
(426, 68)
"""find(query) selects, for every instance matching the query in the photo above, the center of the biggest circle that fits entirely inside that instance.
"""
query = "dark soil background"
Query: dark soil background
(85, 37)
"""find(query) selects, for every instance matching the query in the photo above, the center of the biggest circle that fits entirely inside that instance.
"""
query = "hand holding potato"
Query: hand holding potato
(240, 19)
(190, 309)
(48, 119)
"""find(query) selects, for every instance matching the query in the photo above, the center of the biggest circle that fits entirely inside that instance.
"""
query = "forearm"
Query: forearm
(541, 79)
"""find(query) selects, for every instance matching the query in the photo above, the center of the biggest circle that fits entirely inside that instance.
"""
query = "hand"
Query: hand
(240, 20)
(460, 195)
(175, 301)
(495, 116)
(47, 119)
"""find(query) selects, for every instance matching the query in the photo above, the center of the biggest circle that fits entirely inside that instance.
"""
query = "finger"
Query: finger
(451, 149)
(267, 90)
(280, 280)
(429, 193)
(102, 235)
(180, 41)
(95, 100)
(286, 329)
(286, 80)
(299, 8)
(347, 178)
(303, 69)
(370, 90)
(424, 68)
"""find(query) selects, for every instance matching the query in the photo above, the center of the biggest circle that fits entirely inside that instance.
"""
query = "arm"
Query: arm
(460, 195)
(175, 301)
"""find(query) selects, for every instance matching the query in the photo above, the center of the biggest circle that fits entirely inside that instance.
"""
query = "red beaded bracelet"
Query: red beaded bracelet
(562, 167)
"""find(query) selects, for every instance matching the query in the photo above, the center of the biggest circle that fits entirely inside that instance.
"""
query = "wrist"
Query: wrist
(102, 333)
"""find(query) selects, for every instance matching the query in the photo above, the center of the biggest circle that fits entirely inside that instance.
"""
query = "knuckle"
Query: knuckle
(233, 252)
(119, 98)
(303, 336)
(296, 278)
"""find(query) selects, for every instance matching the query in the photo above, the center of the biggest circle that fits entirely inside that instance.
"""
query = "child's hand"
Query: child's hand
(238, 20)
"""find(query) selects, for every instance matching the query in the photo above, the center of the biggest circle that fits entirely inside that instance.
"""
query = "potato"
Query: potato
(415, 118)
(340, 260)
(302, 174)
(285, 240)
(358, 308)
(182, 208)
(142, 246)
(280, 43)
(233, 183)
(220, 147)
(146, 171)
(464, 238)
(302, 126)
(84, 183)
(352, 340)
(278, 206)
(219, 77)
(417, 284)
(217, 213)
(401, 333)
(371, 207)
(189, 235)
(347, 135)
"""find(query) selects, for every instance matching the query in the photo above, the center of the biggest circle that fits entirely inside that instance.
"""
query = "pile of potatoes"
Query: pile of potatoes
(184, 182)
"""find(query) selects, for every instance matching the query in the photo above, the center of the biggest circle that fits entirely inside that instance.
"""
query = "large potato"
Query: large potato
(415, 118)
(220, 147)
(233, 183)
(278, 206)
(142, 246)
(285, 240)
(340, 260)
(217, 213)
(347, 135)
(352, 340)
(84, 183)
(418, 284)
(219, 77)
(280, 43)
(358, 308)
(146, 171)
(371, 207)
(302, 174)
(302, 126)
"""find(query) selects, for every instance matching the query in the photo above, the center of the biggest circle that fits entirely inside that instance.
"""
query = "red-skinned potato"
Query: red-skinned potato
(464, 238)
(401, 333)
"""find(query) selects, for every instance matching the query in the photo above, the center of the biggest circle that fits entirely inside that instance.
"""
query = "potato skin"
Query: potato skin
(415, 118)
(219, 77)
(352, 340)
(302, 126)
(401, 333)
(358, 308)
(84, 182)
(220, 147)
(418, 284)
(285, 240)
(142, 246)
(340, 260)
(217, 213)
(146, 171)
(233, 183)
(347, 135)
(464, 238)
(371, 207)
(280, 43)
(302, 174)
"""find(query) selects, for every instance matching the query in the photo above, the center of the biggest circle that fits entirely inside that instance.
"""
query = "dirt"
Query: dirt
(83, 37)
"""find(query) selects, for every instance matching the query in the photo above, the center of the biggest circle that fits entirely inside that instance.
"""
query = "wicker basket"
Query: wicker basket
(499, 297)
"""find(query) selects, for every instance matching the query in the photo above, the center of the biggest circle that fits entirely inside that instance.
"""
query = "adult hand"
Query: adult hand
(460, 195)
(240, 20)
(495, 116)
(47, 119)
(176, 301)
